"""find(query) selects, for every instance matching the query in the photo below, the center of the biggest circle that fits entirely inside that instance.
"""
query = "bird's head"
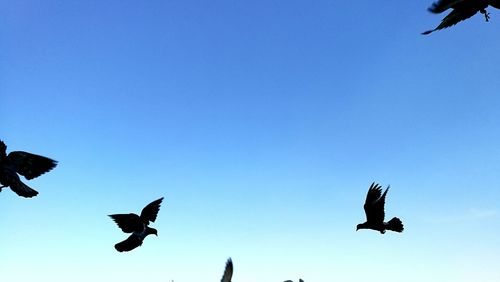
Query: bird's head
(152, 231)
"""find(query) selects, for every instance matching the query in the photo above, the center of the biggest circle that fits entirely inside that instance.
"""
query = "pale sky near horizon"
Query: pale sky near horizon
(262, 123)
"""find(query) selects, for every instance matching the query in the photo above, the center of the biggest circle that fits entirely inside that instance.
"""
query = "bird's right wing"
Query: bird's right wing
(128, 223)
(228, 272)
(30, 165)
(443, 5)
(128, 244)
(374, 204)
(453, 18)
(150, 211)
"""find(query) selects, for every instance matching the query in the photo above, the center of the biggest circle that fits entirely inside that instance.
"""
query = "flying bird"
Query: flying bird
(300, 280)
(374, 210)
(137, 225)
(26, 164)
(228, 272)
(461, 10)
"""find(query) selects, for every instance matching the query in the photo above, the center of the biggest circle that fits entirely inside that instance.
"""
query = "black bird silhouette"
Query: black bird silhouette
(228, 272)
(137, 225)
(374, 210)
(26, 164)
(461, 10)
(300, 280)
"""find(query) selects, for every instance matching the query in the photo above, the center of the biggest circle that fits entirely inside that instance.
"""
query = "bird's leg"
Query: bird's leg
(486, 14)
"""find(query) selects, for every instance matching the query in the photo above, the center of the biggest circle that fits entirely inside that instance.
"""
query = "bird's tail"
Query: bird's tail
(395, 224)
(22, 189)
(128, 244)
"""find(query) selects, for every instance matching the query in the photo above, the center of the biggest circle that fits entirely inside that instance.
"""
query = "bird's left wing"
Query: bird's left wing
(374, 204)
(150, 211)
(128, 223)
(30, 165)
(453, 18)
(228, 272)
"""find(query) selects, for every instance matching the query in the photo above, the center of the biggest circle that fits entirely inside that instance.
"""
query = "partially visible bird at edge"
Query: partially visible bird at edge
(26, 164)
(228, 271)
(461, 10)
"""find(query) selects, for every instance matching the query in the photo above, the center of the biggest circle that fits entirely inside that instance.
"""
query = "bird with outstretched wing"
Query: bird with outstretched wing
(23, 163)
(461, 10)
(137, 225)
(375, 214)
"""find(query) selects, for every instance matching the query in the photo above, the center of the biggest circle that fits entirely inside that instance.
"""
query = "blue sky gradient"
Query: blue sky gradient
(262, 123)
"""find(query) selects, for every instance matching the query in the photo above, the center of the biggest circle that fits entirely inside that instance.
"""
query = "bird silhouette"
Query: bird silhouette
(137, 225)
(300, 280)
(228, 272)
(461, 10)
(26, 164)
(374, 210)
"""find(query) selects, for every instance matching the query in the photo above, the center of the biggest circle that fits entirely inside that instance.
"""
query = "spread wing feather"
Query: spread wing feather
(30, 165)
(228, 272)
(150, 211)
(455, 17)
(374, 204)
(128, 223)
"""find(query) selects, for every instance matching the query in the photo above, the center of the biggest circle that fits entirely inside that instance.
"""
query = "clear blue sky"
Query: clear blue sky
(262, 123)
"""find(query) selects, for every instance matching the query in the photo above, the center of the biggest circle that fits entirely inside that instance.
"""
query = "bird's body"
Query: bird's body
(137, 225)
(26, 164)
(461, 10)
(375, 214)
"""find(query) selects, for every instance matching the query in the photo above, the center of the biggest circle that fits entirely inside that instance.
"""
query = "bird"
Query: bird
(461, 10)
(374, 210)
(300, 280)
(228, 271)
(137, 225)
(26, 164)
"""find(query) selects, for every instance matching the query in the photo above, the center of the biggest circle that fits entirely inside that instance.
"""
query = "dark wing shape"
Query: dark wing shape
(128, 223)
(374, 204)
(3, 148)
(150, 211)
(443, 5)
(30, 165)
(129, 244)
(494, 3)
(228, 272)
(453, 18)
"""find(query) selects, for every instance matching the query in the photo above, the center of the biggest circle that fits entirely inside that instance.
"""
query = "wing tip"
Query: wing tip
(375, 186)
